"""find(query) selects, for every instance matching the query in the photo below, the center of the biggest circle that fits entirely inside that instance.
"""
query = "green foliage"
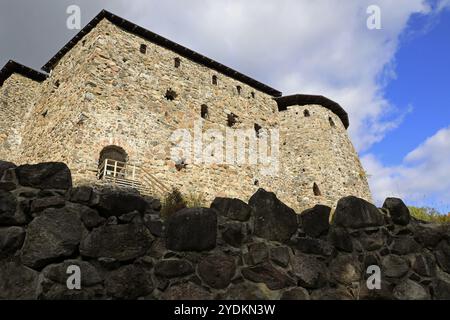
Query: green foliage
(429, 215)
(175, 201)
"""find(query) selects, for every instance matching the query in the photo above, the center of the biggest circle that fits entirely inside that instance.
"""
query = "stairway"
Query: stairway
(125, 175)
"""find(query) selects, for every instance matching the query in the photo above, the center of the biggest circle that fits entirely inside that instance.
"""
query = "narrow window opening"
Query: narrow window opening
(239, 89)
(306, 113)
(177, 62)
(214, 80)
(231, 119)
(253, 95)
(57, 83)
(44, 114)
(143, 48)
(180, 164)
(204, 111)
(331, 122)
(316, 190)
(256, 182)
(257, 129)
(170, 95)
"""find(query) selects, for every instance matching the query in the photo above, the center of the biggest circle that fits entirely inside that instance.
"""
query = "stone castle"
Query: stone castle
(109, 101)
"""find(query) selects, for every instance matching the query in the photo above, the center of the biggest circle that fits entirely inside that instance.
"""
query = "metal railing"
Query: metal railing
(128, 175)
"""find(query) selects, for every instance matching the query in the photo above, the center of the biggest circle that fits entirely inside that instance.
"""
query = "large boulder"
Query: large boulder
(191, 229)
(314, 246)
(273, 220)
(443, 256)
(90, 276)
(234, 209)
(340, 239)
(17, 281)
(398, 211)
(120, 242)
(410, 290)
(5, 165)
(316, 221)
(234, 233)
(51, 237)
(170, 268)
(116, 202)
(186, 291)
(10, 212)
(217, 270)
(49, 175)
(393, 266)
(295, 294)
(129, 282)
(353, 212)
(11, 240)
(265, 273)
(310, 272)
(345, 269)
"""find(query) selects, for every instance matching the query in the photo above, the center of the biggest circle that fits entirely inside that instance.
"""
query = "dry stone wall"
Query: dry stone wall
(229, 250)
(111, 89)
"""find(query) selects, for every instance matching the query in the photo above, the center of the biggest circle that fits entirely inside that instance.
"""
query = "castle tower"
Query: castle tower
(19, 89)
(318, 161)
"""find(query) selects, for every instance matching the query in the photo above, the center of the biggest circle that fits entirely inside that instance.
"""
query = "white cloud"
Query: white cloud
(298, 46)
(423, 178)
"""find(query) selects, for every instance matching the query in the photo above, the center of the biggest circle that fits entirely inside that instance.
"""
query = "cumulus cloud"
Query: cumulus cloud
(297, 46)
(423, 178)
(318, 47)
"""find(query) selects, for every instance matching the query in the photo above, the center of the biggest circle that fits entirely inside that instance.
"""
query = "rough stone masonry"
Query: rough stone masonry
(116, 84)
(230, 250)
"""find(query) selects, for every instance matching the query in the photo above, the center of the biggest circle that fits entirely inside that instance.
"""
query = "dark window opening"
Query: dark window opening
(116, 162)
(253, 95)
(306, 113)
(143, 48)
(170, 95)
(177, 62)
(44, 114)
(257, 129)
(83, 42)
(204, 111)
(180, 164)
(331, 122)
(214, 80)
(256, 182)
(316, 190)
(231, 119)
(57, 83)
(239, 89)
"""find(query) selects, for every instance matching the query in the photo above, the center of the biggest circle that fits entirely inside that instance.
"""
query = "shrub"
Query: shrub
(175, 201)
(429, 215)
(172, 203)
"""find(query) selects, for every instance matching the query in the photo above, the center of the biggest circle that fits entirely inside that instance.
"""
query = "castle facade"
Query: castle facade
(119, 92)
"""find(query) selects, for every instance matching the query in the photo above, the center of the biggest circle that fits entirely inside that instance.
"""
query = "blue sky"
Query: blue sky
(422, 82)
(393, 82)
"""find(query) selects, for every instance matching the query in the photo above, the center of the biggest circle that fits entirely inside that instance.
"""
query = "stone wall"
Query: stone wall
(231, 250)
(315, 149)
(105, 91)
(17, 97)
